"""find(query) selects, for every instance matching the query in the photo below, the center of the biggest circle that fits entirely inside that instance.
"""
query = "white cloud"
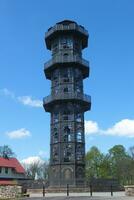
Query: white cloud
(27, 100)
(18, 134)
(91, 127)
(7, 92)
(123, 128)
(32, 160)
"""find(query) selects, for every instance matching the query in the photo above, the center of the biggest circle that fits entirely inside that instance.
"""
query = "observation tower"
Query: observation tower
(67, 102)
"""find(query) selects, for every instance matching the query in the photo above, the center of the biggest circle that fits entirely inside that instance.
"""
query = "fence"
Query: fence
(69, 191)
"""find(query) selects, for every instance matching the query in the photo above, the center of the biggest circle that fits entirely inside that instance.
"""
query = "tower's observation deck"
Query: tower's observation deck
(67, 102)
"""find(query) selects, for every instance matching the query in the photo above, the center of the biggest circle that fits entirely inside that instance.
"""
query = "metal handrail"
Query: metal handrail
(66, 59)
(61, 96)
(62, 27)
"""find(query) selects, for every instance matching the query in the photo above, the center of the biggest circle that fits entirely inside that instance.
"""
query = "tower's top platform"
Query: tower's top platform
(66, 27)
(66, 22)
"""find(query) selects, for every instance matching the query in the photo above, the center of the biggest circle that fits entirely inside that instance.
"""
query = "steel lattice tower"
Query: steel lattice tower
(67, 102)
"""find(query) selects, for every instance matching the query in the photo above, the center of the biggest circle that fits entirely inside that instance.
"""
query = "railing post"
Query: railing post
(91, 191)
(44, 190)
(67, 189)
(111, 190)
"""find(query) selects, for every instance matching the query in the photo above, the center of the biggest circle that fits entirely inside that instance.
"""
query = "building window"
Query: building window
(6, 170)
(13, 170)
(0, 169)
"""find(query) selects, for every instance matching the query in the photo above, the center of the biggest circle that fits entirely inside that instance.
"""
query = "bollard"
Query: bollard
(91, 190)
(44, 190)
(67, 189)
(111, 190)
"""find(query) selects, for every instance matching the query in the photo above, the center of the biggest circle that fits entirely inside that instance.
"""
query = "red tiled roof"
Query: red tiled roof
(6, 182)
(13, 163)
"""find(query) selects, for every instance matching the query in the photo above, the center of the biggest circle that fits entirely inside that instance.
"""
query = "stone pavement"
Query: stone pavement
(80, 196)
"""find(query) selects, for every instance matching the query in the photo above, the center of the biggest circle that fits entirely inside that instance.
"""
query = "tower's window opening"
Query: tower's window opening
(79, 137)
(65, 55)
(79, 156)
(55, 129)
(66, 42)
(78, 118)
(77, 74)
(55, 154)
(65, 117)
(76, 45)
(66, 80)
(67, 153)
(65, 90)
(67, 134)
(78, 89)
(67, 129)
(55, 48)
(78, 86)
(66, 73)
(56, 91)
(69, 137)
(55, 137)
(55, 117)
(55, 74)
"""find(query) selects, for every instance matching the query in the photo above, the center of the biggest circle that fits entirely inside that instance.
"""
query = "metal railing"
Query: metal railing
(71, 26)
(66, 59)
(63, 96)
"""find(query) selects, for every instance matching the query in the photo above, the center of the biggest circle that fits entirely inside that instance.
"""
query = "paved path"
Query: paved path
(81, 196)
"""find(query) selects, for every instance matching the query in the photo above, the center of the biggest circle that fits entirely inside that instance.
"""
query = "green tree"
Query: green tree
(94, 160)
(131, 152)
(117, 164)
(6, 152)
(120, 163)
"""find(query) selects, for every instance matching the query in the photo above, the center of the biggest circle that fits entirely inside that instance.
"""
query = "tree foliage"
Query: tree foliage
(117, 164)
(6, 152)
(37, 170)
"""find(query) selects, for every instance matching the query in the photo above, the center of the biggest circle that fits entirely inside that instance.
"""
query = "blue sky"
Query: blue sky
(24, 125)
